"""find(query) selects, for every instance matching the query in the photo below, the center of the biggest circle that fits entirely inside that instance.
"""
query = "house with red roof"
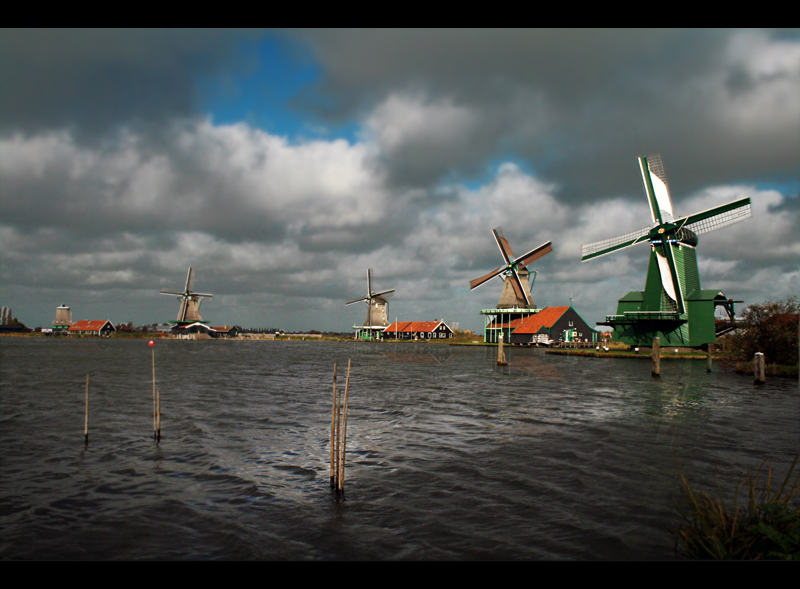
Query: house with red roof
(553, 325)
(428, 330)
(92, 327)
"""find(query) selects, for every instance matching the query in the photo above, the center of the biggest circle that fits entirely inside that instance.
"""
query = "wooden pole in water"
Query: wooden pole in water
(343, 444)
(155, 429)
(708, 357)
(501, 357)
(333, 430)
(86, 416)
(656, 356)
(758, 368)
(158, 407)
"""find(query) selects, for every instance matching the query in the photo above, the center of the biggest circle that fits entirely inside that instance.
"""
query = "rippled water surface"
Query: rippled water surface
(449, 457)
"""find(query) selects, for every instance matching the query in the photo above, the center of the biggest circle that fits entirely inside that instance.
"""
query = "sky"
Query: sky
(283, 164)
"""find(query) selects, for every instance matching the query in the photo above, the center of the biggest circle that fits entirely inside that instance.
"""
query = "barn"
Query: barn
(553, 324)
(92, 327)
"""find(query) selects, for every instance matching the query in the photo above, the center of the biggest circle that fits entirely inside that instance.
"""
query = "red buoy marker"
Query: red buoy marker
(151, 343)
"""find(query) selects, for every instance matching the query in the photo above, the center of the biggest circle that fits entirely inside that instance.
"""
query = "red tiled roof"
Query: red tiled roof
(544, 318)
(411, 326)
(88, 325)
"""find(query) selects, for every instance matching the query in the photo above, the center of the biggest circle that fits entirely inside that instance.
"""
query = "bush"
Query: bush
(767, 528)
(770, 328)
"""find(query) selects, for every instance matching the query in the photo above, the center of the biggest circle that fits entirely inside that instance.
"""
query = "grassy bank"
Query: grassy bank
(769, 369)
(642, 355)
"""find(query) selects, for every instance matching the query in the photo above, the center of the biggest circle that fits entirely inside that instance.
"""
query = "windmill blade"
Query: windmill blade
(196, 295)
(717, 217)
(189, 276)
(503, 244)
(369, 282)
(534, 254)
(171, 292)
(385, 294)
(473, 284)
(516, 284)
(606, 246)
(669, 275)
(356, 301)
(183, 309)
(655, 185)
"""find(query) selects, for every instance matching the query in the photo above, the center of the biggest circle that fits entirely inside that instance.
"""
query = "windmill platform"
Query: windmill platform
(503, 320)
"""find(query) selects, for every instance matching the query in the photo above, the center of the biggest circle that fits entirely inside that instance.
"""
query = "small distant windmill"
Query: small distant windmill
(672, 305)
(516, 292)
(377, 314)
(190, 301)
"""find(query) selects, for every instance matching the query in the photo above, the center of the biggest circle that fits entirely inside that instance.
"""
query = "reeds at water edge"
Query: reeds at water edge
(766, 527)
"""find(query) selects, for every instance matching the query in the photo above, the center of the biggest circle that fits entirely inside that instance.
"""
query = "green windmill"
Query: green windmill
(672, 306)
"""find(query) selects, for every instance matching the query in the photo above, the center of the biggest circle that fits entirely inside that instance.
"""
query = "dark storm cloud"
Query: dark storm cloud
(96, 80)
(579, 105)
(113, 183)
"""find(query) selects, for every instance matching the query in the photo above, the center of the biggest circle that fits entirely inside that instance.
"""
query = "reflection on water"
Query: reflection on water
(449, 455)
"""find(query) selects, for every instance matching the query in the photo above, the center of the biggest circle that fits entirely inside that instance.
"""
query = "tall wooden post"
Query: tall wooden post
(333, 430)
(343, 443)
(158, 413)
(501, 357)
(708, 357)
(758, 368)
(86, 416)
(656, 356)
(155, 428)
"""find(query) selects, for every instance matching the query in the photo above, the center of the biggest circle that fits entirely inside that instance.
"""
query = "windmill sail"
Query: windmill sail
(190, 301)
(606, 246)
(377, 316)
(512, 269)
(718, 217)
(655, 184)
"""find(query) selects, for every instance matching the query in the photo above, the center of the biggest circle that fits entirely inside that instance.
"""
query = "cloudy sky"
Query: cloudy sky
(281, 165)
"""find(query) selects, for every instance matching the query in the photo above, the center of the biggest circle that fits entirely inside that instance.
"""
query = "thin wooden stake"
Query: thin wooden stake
(86, 418)
(338, 439)
(343, 444)
(333, 430)
(158, 406)
(656, 356)
(155, 429)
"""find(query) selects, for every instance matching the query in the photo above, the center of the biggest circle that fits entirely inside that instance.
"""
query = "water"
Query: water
(449, 456)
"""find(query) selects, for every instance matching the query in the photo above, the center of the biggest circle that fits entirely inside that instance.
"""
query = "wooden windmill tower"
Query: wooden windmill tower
(190, 302)
(377, 311)
(672, 306)
(515, 300)
(63, 318)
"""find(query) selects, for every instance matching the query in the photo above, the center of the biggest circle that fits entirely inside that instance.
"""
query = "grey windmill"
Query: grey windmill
(190, 301)
(516, 291)
(377, 315)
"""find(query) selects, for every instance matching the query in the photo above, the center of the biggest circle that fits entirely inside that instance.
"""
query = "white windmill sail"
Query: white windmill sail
(666, 276)
(658, 180)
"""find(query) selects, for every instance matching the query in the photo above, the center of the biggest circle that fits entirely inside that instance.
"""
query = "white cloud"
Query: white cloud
(402, 120)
